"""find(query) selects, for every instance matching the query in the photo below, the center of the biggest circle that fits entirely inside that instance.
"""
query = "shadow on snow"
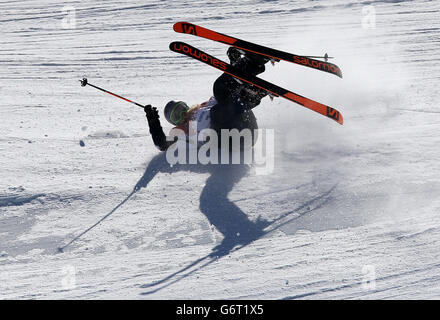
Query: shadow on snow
(228, 218)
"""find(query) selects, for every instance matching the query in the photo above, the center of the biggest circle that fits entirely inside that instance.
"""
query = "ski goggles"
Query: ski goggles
(178, 112)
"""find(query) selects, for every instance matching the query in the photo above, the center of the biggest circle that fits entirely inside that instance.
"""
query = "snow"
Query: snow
(359, 201)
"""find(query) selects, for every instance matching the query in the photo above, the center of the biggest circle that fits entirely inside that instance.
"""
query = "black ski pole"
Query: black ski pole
(84, 83)
(325, 57)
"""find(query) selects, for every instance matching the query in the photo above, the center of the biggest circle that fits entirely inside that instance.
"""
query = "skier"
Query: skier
(229, 108)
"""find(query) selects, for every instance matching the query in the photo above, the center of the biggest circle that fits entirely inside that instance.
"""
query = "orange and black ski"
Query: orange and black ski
(189, 28)
(186, 49)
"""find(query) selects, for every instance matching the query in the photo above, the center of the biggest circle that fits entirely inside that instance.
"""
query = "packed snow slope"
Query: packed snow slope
(359, 202)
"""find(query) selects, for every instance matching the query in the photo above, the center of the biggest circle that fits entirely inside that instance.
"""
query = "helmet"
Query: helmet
(174, 111)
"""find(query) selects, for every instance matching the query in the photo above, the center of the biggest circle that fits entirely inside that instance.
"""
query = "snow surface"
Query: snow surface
(360, 201)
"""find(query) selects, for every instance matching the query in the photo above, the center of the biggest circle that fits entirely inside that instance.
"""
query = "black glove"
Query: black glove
(156, 130)
(151, 112)
(234, 54)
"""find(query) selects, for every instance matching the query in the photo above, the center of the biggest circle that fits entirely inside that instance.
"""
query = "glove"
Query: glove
(151, 112)
(234, 54)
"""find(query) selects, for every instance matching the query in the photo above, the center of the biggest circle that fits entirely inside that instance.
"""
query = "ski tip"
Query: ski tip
(339, 73)
(340, 119)
(173, 45)
(178, 26)
(335, 70)
(335, 115)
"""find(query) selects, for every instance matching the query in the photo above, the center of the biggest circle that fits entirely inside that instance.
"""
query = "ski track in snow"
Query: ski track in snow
(359, 200)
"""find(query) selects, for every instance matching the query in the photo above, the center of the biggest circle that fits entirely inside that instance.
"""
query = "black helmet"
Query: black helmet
(174, 111)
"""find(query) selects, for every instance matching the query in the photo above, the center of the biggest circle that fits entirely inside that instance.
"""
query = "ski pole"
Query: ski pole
(84, 83)
(325, 57)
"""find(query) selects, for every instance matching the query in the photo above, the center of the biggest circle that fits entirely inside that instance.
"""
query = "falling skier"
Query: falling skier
(236, 92)
(229, 108)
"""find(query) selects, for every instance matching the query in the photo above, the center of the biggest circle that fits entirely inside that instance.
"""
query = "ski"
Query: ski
(186, 49)
(189, 28)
